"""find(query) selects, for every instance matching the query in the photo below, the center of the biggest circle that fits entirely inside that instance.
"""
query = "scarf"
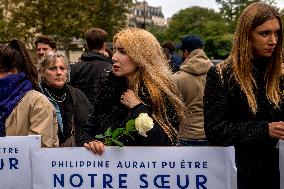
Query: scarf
(12, 89)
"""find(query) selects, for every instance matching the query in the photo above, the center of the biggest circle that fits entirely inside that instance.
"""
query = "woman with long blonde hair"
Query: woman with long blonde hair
(243, 101)
(147, 88)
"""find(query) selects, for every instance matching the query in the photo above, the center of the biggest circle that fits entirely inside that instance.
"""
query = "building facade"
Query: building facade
(142, 15)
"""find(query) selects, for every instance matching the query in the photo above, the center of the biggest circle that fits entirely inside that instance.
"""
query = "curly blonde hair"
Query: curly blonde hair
(154, 74)
(242, 55)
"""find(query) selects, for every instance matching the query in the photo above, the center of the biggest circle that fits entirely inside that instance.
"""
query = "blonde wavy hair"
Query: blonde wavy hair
(241, 56)
(154, 74)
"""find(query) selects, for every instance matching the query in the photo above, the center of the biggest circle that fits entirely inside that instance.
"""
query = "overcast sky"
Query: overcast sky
(170, 7)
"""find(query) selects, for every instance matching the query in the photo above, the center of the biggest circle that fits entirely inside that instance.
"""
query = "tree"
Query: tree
(231, 10)
(110, 15)
(31, 17)
(207, 24)
(159, 32)
(6, 10)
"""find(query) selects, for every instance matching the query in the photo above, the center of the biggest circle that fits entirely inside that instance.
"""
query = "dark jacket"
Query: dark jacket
(110, 113)
(75, 110)
(229, 121)
(176, 61)
(85, 73)
(78, 106)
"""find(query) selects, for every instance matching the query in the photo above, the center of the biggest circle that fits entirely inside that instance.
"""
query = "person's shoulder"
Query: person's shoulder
(178, 74)
(33, 94)
(76, 93)
(35, 98)
(74, 90)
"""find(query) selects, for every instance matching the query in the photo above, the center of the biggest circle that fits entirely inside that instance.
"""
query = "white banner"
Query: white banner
(281, 163)
(135, 167)
(15, 170)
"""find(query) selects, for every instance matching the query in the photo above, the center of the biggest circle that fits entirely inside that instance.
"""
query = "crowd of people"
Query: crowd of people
(174, 101)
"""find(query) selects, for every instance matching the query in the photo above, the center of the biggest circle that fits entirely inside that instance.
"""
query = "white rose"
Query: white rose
(143, 123)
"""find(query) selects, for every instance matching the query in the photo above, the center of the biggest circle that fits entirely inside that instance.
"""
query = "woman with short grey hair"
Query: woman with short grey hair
(71, 104)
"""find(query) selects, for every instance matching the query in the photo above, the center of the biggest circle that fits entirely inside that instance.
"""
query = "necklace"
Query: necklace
(53, 96)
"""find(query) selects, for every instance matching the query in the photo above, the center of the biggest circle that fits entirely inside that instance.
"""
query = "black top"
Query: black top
(110, 113)
(92, 67)
(74, 107)
(229, 121)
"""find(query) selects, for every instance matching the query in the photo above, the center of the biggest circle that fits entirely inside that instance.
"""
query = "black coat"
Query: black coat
(84, 74)
(74, 110)
(229, 122)
(78, 107)
(110, 113)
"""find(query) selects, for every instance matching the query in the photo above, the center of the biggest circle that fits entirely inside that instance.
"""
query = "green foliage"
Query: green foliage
(112, 137)
(158, 32)
(193, 20)
(218, 47)
(232, 9)
(2, 26)
(207, 24)
(65, 20)
(109, 15)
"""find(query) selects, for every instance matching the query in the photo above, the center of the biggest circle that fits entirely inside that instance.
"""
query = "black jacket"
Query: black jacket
(85, 73)
(110, 113)
(78, 107)
(229, 122)
(74, 110)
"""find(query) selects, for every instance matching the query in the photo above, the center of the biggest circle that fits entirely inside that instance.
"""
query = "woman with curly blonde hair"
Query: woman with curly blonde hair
(147, 87)
(243, 100)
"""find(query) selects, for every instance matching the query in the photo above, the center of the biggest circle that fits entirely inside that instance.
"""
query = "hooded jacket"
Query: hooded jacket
(191, 80)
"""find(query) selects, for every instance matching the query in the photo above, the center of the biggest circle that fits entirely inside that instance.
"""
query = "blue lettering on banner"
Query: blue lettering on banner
(136, 164)
(201, 181)
(190, 164)
(9, 150)
(71, 180)
(169, 164)
(144, 181)
(122, 181)
(159, 181)
(92, 179)
(186, 185)
(56, 179)
(107, 179)
(12, 163)
(81, 164)
(163, 180)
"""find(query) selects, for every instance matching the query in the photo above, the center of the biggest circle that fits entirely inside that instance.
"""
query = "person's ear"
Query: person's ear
(185, 54)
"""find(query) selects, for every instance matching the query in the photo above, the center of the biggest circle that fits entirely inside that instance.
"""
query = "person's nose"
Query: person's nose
(59, 71)
(114, 57)
(273, 39)
(41, 51)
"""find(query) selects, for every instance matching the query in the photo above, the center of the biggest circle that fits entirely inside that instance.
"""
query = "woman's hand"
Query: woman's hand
(129, 99)
(276, 130)
(97, 147)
